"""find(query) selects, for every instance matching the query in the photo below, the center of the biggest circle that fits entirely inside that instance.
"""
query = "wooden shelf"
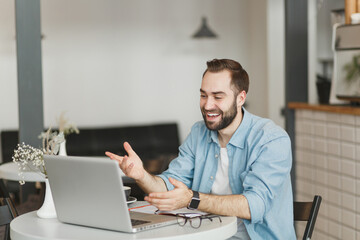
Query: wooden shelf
(343, 109)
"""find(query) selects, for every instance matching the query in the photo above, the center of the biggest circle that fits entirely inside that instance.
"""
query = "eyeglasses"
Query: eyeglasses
(194, 219)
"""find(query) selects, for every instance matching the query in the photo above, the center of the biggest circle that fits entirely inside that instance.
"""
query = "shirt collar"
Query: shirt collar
(238, 138)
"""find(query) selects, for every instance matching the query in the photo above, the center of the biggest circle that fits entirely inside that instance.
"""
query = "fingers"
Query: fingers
(130, 164)
(160, 200)
(163, 201)
(109, 154)
(170, 200)
(123, 162)
(125, 165)
(114, 157)
(161, 195)
(173, 194)
(128, 149)
(162, 204)
(176, 183)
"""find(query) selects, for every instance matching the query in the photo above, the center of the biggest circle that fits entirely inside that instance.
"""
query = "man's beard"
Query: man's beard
(226, 118)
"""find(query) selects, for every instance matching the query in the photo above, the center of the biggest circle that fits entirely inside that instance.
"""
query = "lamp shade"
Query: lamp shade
(204, 31)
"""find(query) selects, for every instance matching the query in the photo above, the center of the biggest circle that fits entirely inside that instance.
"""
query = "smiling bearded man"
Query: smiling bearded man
(232, 163)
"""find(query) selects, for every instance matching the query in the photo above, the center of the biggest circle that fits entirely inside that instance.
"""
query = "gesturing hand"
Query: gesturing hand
(131, 165)
(177, 198)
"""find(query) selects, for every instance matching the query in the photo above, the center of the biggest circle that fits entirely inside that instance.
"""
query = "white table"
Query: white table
(10, 171)
(31, 227)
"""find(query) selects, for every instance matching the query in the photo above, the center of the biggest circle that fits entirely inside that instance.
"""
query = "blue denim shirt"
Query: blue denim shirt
(259, 168)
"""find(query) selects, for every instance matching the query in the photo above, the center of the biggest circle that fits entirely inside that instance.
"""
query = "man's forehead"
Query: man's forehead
(216, 82)
(224, 73)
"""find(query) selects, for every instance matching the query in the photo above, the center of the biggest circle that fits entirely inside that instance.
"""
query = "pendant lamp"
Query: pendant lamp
(204, 31)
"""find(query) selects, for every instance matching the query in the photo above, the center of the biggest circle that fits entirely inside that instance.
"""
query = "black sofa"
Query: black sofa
(155, 144)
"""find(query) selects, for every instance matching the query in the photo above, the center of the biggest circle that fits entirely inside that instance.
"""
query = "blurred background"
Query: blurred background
(116, 62)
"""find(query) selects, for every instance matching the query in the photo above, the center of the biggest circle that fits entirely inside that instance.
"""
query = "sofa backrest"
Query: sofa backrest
(9, 140)
(148, 141)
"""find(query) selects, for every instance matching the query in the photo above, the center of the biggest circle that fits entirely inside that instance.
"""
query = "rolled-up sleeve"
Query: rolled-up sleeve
(268, 172)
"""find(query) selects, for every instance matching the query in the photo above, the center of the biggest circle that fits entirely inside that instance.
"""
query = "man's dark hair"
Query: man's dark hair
(239, 77)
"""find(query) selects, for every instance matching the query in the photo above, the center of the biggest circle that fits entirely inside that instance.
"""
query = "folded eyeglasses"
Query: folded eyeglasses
(194, 218)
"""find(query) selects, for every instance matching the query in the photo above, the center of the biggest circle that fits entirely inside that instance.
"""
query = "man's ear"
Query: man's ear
(241, 97)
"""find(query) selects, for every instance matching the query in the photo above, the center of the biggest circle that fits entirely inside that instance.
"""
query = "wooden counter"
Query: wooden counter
(344, 109)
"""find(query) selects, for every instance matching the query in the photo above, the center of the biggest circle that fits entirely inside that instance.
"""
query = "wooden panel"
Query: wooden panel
(302, 211)
(350, 8)
(325, 108)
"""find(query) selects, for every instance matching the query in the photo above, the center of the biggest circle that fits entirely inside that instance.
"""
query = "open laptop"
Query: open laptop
(89, 191)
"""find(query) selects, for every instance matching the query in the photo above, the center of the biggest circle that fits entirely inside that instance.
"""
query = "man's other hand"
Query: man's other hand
(131, 165)
(177, 198)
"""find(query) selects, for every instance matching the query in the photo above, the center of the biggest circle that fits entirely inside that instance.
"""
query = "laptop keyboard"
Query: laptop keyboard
(136, 222)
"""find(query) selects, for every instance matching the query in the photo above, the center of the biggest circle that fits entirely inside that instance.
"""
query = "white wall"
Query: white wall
(134, 62)
(257, 69)
(276, 59)
(117, 62)
(8, 77)
(312, 53)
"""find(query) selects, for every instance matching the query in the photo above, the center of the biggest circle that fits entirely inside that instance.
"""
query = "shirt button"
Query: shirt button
(211, 177)
(216, 156)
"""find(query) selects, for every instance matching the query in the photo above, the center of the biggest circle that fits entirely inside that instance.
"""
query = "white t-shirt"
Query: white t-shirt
(221, 186)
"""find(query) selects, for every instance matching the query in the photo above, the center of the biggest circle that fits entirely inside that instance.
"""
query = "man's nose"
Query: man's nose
(209, 104)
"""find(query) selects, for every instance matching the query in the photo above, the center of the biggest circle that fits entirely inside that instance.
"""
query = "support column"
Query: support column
(296, 64)
(29, 70)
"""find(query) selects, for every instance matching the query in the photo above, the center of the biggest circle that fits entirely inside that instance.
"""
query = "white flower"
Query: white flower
(28, 157)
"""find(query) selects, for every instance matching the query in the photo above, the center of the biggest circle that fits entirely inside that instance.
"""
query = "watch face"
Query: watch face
(194, 203)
